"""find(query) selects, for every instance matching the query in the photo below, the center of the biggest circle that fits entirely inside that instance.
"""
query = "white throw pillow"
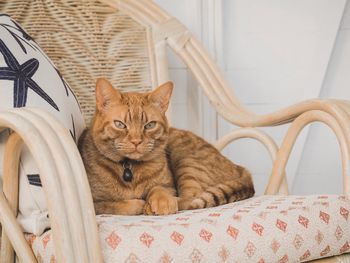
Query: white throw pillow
(28, 78)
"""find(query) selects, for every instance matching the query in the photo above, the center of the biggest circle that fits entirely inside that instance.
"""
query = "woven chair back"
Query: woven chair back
(87, 40)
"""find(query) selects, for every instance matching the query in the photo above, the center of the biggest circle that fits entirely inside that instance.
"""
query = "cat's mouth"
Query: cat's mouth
(134, 153)
(136, 150)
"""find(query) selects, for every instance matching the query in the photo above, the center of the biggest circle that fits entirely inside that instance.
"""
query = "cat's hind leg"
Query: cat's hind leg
(233, 190)
(212, 196)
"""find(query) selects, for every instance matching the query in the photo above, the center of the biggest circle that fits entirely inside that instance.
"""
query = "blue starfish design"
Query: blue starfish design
(34, 179)
(74, 136)
(22, 77)
(18, 33)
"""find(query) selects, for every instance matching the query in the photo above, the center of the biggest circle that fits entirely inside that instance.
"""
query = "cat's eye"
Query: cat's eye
(119, 125)
(150, 125)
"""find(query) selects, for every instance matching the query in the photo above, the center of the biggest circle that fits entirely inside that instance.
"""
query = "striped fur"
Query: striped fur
(203, 176)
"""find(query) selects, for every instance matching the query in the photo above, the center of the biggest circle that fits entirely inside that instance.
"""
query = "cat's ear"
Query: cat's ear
(161, 96)
(105, 94)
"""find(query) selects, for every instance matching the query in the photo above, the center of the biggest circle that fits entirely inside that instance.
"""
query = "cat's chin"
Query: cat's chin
(134, 156)
(141, 157)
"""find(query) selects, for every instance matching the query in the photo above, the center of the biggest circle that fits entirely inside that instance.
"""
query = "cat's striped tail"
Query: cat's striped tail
(230, 191)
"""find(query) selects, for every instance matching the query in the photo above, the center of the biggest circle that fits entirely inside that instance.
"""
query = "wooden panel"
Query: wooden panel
(320, 170)
(346, 19)
(337, 80)
(178, 108)
(179, 77)
(279, 50)
(179, 115)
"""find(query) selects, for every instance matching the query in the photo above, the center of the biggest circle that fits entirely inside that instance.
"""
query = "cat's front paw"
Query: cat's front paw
(134, 207)
(161, 205)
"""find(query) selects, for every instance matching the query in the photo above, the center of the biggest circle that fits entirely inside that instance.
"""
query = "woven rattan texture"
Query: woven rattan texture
(86, 40)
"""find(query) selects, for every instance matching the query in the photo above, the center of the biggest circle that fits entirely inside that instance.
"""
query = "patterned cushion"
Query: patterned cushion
(261, 229)
(29, 78)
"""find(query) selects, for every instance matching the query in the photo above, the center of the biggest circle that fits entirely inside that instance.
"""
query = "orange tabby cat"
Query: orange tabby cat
(137, 164)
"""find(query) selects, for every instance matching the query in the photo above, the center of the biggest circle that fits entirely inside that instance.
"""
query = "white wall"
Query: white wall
(277, 53)
(183, 114)
(273, 53)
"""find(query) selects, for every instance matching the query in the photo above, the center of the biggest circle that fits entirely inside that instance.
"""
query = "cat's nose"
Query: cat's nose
(136, 141)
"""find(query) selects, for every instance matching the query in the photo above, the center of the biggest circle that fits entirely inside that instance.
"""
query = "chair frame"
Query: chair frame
(69, 198)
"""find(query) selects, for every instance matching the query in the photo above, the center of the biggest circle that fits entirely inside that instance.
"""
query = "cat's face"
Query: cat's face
(131, 125)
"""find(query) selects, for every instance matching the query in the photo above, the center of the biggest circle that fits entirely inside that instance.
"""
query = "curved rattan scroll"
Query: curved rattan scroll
(288, 142)
(261, 137)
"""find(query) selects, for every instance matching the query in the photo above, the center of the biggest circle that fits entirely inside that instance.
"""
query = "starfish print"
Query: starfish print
(18, 33)
(73, 132)
(34, 179)
(27, 39)
(22, 77)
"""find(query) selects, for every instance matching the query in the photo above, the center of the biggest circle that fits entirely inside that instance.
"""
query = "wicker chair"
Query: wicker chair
(124, 41)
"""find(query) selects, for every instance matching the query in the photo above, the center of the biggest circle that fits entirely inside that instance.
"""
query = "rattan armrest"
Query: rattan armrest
(337, 126)
(64, 182)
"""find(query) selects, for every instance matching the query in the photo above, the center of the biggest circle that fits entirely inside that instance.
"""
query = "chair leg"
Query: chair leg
(11, 189)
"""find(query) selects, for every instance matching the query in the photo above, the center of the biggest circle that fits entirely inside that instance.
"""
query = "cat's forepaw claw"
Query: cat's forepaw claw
(162, 205)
